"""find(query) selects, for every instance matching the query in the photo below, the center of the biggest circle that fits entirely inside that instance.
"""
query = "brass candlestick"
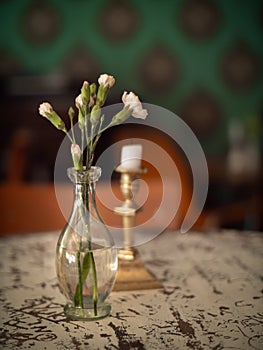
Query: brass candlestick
(132, 273)
(128, 219)
(129, 186)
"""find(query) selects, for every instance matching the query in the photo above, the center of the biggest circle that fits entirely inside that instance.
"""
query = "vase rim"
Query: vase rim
(85, 175)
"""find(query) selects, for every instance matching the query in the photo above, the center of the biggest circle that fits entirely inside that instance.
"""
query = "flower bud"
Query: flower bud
(92, 89)
(79, 101)
(102, 95)
(95, 115)
(91, 101)
(106, 80)
(76, 156)
(71, 113)
(81, 115)
(85, 93)
(46, 110)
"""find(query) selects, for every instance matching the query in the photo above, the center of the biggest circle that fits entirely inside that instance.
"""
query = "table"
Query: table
(212, 296)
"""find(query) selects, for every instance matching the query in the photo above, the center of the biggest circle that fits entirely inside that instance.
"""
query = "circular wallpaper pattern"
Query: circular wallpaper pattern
(201, 112)
(40, 23)
(159, 69)
(240, 67)
(168, 32)
(79, 65)
(119, 20)
(199, 18)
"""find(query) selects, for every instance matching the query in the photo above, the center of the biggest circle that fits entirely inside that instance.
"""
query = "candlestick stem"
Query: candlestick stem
(132, 273)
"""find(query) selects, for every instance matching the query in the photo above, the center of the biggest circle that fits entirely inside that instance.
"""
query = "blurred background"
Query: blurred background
(201, 59)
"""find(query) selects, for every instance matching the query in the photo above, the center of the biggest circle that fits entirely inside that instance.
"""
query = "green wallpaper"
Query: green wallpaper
(169, 52)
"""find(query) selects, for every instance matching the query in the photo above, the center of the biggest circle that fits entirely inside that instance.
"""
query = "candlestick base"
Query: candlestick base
(127, 254)
(133, 275)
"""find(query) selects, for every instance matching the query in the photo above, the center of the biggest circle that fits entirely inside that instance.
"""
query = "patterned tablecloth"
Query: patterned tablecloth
(212, 297)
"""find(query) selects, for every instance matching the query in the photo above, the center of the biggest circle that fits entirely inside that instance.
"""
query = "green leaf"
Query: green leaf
(86, 266)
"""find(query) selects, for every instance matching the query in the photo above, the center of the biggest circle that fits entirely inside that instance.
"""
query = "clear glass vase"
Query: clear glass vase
(86, 258)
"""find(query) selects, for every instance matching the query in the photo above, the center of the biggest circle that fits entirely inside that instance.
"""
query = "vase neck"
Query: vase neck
(84, 187)
(83, 191)
(85, 222)
(84, 176)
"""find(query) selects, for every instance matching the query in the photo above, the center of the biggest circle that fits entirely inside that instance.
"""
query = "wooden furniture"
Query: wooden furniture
(31, 207)
(27, 207)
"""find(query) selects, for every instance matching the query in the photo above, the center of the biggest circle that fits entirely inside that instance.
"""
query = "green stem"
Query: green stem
(82, 277)
(88, 262)
(87, 140)
(82, 143)
(72, 130)
(70, 138)
(95, 284)
(78, 300)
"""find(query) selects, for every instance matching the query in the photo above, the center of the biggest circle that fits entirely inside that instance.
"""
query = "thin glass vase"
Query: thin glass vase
(86, 258)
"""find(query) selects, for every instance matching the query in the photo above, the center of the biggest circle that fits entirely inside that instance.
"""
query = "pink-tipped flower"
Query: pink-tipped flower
(132, 102)
(79, 101)
(106, 80)
(45, 109)
(76, 156)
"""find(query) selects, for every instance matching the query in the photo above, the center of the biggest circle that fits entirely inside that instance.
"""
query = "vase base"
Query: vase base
(87, 314)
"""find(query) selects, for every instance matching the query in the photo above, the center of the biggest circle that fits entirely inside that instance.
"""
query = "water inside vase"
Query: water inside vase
(106, 263)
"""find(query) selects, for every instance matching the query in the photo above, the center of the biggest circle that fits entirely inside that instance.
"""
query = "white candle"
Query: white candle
(131, 156)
